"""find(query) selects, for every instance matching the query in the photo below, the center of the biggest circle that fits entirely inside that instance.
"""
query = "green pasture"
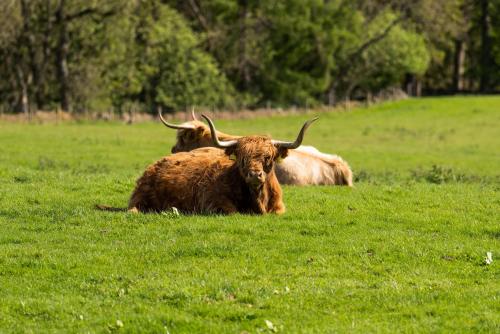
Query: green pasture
(403, 251)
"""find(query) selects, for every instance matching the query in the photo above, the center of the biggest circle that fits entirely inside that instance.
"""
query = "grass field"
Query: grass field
(403, 251)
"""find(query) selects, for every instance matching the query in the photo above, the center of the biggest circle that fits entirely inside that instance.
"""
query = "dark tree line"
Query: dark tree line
(80, 55)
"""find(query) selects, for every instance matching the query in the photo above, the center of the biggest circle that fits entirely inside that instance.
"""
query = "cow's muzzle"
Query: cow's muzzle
(256, 178)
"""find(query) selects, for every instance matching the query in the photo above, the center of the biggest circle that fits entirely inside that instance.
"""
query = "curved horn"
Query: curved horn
(193, 115)
(300, 137)
(173, 126)
(215, 139)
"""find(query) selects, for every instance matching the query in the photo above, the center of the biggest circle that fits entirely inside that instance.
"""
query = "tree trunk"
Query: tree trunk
(30, 45)
(418, 87)
(243, 70)
(45, 56)
(413, 85)
(459, 66)
(62, 56)
(331, 96)
(23, 102)
(349, 90)
(369, 97)
(484, 80)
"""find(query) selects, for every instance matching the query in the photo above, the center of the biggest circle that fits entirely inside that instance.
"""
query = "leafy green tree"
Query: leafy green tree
(236, 33)
(94, 54)
(163, 64)
(386, 63)
(495, 49)
(273, 51)
(305, 35)
(13, 66)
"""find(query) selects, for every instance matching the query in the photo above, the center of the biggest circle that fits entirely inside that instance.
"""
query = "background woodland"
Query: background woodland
(77, 55)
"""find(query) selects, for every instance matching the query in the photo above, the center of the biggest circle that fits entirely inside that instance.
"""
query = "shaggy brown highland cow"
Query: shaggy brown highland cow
(207, 180)
(303, 166)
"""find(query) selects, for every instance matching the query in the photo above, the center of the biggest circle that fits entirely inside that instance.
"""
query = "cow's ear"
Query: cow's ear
(282, 154)
(231, 152)
(190, 134)
(199, 131)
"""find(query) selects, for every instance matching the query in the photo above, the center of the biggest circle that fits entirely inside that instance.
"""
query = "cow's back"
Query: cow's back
(182, 180)
(308, 166)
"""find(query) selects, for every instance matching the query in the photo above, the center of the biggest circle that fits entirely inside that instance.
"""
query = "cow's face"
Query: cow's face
(190, 139)
(255, 157)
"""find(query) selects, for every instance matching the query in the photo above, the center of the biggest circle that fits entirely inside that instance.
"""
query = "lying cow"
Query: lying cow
(303, 166)
(239, 178)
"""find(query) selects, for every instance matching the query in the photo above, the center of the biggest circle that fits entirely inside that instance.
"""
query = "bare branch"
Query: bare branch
(197, 13)
(90, 11)
(375, 39)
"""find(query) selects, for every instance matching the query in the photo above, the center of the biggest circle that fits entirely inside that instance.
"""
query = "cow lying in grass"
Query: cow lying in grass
(206, 180)
(303, 166)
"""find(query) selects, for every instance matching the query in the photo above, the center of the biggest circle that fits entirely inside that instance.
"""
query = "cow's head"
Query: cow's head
(256, 155)
(192, 134)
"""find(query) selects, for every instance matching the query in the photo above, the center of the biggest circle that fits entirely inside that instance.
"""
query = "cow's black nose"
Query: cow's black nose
(256, 174)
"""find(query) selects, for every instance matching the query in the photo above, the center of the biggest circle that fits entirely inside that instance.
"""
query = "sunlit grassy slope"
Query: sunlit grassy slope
(401, 252)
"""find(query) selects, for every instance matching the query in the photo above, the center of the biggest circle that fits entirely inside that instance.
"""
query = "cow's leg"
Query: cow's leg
(137, 202)
(275, 203)
(278, 208)
(133, 210)
(225, 206)
(228, 208)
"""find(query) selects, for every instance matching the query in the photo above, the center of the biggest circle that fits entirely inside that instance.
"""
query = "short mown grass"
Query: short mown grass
(403, 251)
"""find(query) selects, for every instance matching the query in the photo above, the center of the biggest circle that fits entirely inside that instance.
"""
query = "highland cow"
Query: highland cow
(303, 166)
(239, 178)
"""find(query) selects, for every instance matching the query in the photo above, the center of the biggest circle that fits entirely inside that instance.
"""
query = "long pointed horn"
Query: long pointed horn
(193, 115)
(215, 139)
(300, 137)
(174, 126)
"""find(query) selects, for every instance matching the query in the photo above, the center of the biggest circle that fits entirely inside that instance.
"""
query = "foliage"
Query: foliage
(80, 55)
(393, 254)
(401, 52)
(302, 41)
(386, 63)
(165, 66)
(114, 52)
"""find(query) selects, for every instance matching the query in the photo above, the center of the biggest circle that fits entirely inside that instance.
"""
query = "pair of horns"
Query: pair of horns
(181, 126)
(229, 143)
(278, 143)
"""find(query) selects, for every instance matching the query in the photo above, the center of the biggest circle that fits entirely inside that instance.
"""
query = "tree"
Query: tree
(95, 54)
(303, 40)
(65, 19)
(488, 66)
(163, 64)
(16, 49)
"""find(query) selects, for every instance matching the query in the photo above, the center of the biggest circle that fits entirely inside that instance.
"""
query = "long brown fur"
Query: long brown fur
(303, 166)
(190, 139)
(206, 180)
